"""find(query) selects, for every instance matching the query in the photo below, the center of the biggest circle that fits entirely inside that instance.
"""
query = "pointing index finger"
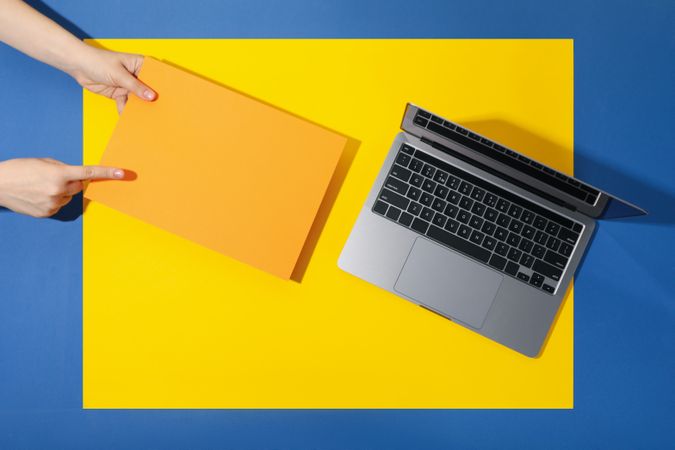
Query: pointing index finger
(94, 173)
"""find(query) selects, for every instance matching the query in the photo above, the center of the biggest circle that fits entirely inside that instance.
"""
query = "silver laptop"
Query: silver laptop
(475, 231)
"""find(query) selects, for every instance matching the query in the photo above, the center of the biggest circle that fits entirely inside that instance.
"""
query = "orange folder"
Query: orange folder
(220, 168)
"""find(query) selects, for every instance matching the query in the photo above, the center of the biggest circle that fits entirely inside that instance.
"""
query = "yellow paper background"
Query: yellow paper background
(170, 324)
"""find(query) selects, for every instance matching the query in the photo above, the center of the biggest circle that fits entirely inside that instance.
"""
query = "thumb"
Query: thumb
(93, 173)
(135, 86)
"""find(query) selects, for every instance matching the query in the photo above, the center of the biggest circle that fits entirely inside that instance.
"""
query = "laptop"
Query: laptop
(477, 232)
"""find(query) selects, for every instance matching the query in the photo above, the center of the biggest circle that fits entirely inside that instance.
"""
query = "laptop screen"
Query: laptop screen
(511, 164)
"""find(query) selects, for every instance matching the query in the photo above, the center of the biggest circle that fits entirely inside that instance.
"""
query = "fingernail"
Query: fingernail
(149, 94)
(118, 173)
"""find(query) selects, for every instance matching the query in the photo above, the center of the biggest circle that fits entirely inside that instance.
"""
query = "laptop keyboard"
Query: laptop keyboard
(468, 214)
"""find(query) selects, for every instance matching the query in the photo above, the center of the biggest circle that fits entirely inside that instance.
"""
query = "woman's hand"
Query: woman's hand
(40, 187)
(101, 71)
(111, 74)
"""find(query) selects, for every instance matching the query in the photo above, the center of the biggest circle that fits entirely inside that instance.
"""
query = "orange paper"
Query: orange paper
(219, 168)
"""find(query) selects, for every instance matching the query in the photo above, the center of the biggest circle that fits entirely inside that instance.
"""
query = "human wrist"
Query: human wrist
(72, 57)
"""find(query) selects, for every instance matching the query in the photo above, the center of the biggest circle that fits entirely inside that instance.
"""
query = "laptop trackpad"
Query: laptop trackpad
(448, 282)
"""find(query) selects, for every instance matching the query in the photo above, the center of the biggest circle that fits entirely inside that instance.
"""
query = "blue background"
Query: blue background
(625, 314)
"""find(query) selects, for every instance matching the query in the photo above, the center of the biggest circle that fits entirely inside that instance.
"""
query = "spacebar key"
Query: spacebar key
(458, 244)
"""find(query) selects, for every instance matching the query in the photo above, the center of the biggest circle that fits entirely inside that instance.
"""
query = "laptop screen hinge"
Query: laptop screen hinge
(521, 184)
(427, 141)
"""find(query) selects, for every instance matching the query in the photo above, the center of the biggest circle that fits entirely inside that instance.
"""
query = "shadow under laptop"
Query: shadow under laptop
(659, 203)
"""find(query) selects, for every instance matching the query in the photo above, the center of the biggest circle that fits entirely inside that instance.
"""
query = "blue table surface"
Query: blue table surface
(624, 303)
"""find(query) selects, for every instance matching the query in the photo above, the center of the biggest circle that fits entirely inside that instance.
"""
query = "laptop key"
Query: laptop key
(488, 228)
(552, 228)
(527, 260)
(503, 220)
(439, 220)
(453, 182)
(405, 219)
(515, 211)
(523, 277)
(407, 149)
(426, 199)
(438, 204)
(414, 193)
(476, 222)
(441, 191)
(417, 180)
(527, 217)
(511, 268)
(441, 177)
(556, 259)
(513, 239)
(415, 208)
(428, 186)
(501, 234)
(454, 197)
(466, 203)
(526, 245)
(490, 199)
(395, 199)
(547, 269)
(420, 225)
(539, 222)
(403, 159)
(516, 226)
(477, 194)
(465, 188)
(514, 254)
(400, 172)
(538, 251)
(416, 165)
(548, 288)
(502, 249)
(428, 171)
(380, 207)
(553, 243)
(478, 208)
(568, 235)
(565, 249)
(464, 231)
(528, 232)
(536, 279)
(463, 216)
(458, 244)
(452, 225)
(420, 121)
(451, 211)
(427, 214)
(491, 214)
(396, 185)
(489, 243)
(393, 213)
(476, 237)
(502, 205)
(540, 237)
(497, 262)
